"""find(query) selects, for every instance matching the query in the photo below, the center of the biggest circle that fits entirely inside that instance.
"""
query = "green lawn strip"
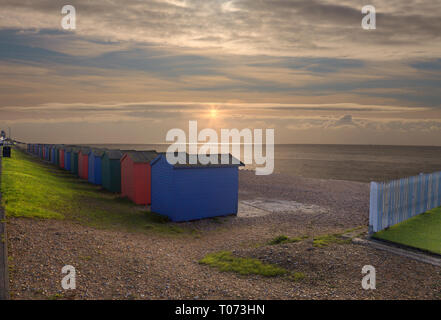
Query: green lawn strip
(34, 189)
(344, 237)
(225, 261)
(422, 231)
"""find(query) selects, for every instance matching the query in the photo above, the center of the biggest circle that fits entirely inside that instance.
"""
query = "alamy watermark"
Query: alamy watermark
(68, 22)
(369, 281)
(69, 281)
(209, 151)
(369, 21)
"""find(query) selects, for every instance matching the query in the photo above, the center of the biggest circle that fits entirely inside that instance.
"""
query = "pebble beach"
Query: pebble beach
(121, 265)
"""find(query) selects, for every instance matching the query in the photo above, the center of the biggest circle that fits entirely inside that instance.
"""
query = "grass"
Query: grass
(422, 232)
(327, 239)
(225, 261)
(34, 189)
(297, 276)
(285, 239)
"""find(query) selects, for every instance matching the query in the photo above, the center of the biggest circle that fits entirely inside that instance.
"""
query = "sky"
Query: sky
(132, 70)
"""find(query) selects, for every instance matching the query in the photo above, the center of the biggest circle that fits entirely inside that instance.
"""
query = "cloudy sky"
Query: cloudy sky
(134, 69)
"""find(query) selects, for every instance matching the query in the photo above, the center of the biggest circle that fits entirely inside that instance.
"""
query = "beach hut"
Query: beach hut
(83, 163)
(111, 170)
(67, 158)
(91, 166)
(53, 154)
(46, 153)
(74, 160)
(186, 192)
(95, 158)
(57, 155)
(80, 163)
(135, 176)
(61, 161)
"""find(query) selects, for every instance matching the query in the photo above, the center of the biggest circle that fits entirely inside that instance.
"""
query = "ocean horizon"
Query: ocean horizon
(363, 163)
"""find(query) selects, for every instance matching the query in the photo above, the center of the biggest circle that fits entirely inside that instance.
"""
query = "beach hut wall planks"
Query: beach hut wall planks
(80, 164)
(62, 161)
(47, 153)
(95, 168)
(54, 154)
(111, 170)
(74, 160)
(191, 192)
(68, 158)
(83, 163)
(136, 176)
(57, 154)
(91, 167)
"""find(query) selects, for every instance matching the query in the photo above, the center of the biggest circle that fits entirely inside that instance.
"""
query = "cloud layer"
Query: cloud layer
(304, 67)
(270, 27)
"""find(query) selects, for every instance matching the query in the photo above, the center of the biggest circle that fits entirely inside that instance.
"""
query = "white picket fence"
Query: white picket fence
(395, 201)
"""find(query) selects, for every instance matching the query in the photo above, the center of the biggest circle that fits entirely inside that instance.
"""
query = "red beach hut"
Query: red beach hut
(136, 176)
(61, 162)
(83, 163)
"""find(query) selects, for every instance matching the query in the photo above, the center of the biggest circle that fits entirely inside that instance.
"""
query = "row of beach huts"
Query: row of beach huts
(183, 192)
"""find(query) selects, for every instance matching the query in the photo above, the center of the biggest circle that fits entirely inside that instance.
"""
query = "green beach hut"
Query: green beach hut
(57, 155)
(74, 160)
(111, 170)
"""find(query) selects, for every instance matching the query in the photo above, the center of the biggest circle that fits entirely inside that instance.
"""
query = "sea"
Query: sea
(363, 163)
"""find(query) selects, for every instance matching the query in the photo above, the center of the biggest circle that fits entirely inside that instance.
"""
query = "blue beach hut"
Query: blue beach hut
(53, 153)
(185, 192)
(67, 153)
(95, 174)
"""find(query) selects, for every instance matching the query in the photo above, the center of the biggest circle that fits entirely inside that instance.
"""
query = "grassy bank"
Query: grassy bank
(422, 232)
(34, 189)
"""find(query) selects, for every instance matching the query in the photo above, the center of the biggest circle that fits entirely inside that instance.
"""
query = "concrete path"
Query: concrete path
(408, 253)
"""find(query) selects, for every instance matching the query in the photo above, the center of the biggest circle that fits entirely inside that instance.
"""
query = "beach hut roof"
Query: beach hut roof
(142, 156)
(232, 162)
(114, 154)
(99, 152)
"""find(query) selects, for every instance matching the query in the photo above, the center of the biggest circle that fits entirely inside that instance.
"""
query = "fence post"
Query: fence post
(373, 208)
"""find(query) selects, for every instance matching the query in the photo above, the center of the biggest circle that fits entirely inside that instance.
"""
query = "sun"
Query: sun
(213, 113)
